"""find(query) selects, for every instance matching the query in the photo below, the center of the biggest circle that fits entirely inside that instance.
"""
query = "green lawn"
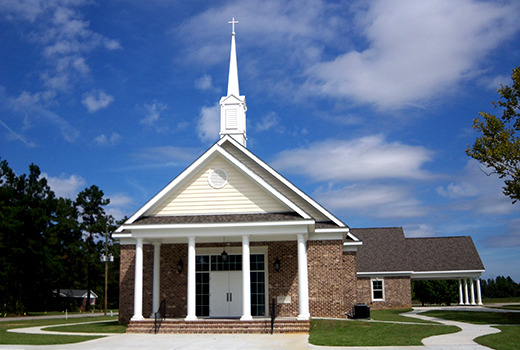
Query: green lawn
(507, 339)
(43, 339)
(501, 300)
(362, 333)
(393, 315)
(478, 317)
(102, 327)
(508, 307)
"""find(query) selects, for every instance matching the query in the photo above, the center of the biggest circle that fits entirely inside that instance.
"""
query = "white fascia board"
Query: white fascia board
(352, 246)
(384, 274)
(270, 189)
(284, 181)
(446, 274)
(219, 230)
(349, 234)
(178, 180)
(332, 230)
(326, 236)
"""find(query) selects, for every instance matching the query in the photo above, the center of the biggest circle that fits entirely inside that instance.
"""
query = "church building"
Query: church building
(230, 240)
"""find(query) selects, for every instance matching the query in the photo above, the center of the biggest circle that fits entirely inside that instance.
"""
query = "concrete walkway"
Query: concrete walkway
(462, 340)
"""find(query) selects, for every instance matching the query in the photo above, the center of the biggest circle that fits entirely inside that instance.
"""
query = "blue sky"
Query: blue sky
(366, 106)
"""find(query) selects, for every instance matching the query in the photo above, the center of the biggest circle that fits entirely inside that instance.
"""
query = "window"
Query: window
(378, 290)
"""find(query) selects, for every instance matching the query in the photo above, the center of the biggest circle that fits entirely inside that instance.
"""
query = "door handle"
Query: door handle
(230, 297)
(227, 297)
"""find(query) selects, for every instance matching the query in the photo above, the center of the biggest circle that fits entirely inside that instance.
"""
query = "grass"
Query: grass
(101, 327)
(361, 333)
(477, 317)
(43, 339)
(508, 307)
(393, 315)
(501, 300)
(507, 339)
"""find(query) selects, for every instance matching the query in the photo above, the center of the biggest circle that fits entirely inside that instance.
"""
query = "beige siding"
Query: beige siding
(240, 195)
(277, 184)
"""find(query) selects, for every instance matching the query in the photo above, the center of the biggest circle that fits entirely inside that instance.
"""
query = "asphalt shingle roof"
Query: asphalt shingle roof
(387, 249)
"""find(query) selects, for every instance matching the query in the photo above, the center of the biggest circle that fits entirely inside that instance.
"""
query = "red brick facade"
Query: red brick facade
(333, 286)
(396, 289)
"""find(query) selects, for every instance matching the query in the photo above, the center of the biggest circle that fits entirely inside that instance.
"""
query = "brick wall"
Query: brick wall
(349, 280)
(126, 283)
(283, 283)
(326, 280)
(397, 293)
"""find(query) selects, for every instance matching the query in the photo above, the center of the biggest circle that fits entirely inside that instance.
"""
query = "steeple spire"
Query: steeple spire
(233, 69)
(233, 106)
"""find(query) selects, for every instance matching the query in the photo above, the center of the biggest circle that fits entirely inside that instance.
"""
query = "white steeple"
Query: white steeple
(233, 106)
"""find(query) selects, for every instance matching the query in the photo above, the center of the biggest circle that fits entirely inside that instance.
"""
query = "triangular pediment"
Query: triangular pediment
(246, 186)
(218, 187)
(232, 99)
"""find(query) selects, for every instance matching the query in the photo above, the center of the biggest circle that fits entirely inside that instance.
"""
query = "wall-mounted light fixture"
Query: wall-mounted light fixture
(277, 264)
(180, 266)
(224, 255)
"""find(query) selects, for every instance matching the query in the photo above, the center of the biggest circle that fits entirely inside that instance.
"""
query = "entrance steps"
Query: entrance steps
(221, 326)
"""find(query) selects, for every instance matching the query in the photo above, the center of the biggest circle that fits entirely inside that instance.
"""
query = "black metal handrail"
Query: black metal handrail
(273, 315)
(159, 316)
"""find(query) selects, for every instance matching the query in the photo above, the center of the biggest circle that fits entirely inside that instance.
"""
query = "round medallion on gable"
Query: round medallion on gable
(218, 178)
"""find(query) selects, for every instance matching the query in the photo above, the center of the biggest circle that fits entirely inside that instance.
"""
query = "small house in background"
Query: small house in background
(79, 296)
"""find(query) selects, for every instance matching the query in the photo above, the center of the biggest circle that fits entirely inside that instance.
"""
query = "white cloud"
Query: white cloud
(381, 201)
(153, 112)
(119, 206)
(35, 106)
(96, 100)
(204, 83)
(419, 230)
(474, 190)
(208, 125)
(268, 122)
(13, 135)
(63, 186)
(370, 157)
(104, 140)
(64, 36)
(415, 50)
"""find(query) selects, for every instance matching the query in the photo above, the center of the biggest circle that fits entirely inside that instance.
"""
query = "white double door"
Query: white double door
(225, 298)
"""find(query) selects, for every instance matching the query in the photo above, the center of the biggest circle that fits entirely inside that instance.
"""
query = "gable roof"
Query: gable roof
(257, 171)
(388, 250)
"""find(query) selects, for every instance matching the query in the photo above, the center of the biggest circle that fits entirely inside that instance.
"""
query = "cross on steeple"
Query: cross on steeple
(232, 22)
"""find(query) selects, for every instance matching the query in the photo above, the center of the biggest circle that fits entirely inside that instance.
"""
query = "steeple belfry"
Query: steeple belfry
(233, 106)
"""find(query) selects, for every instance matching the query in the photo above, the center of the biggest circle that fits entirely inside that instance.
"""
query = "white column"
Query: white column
(191, 280)
(303, 279)
(479, 294)
(246, 280)
(466, 296)
(472, 292)
(156, 277)
(461, 297)
(138, 281)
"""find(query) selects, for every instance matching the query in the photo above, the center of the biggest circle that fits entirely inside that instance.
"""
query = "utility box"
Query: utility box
(361, 311)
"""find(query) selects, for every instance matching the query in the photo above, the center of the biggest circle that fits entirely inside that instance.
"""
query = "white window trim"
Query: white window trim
(372, 288)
